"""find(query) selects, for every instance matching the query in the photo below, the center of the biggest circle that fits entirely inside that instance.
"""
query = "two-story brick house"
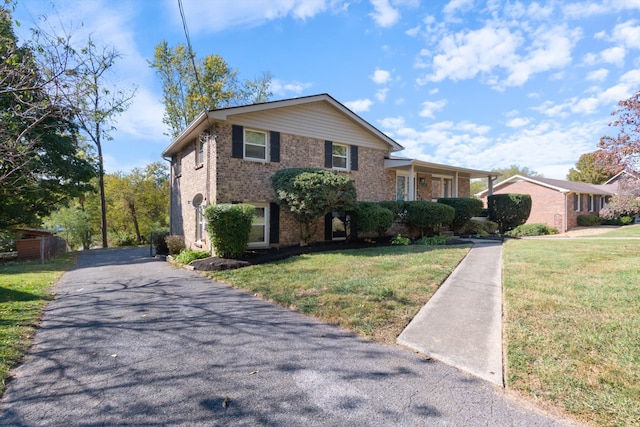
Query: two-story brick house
(229, 155)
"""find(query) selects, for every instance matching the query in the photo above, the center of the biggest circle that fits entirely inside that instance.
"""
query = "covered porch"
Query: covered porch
(419, 180)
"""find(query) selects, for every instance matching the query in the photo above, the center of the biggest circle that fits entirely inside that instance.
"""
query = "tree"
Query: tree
(311, 193)
(191, 85)
(84, 90)
(625, 147)
(509, 210)
(595, 168)
(481, 184)
(42, 160)
(626, 202)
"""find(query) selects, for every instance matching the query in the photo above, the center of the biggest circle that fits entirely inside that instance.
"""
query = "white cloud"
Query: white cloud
(359, 105)
(381, 95)
(518, 122)
(283, 89)
(226, 14)
(384, 14)
(614, 55)
(381, 76)
(628, 33)
(392, 123)
(590, 8)
(429, 107)
(457, 5)
(598, 75)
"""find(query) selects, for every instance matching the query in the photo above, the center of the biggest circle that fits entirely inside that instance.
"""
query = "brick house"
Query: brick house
(557, 202)
(229, 155)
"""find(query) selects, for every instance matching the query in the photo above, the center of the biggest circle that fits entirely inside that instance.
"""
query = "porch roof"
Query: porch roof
(419, 166)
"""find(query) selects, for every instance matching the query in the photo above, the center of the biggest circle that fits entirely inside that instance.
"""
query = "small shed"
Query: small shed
(38, 244)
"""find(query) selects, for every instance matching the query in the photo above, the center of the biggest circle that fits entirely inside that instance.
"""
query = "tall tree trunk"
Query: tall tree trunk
(103, 202)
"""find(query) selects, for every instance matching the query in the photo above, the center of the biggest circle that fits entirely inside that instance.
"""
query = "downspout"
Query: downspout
(565, 222)
(170, 195)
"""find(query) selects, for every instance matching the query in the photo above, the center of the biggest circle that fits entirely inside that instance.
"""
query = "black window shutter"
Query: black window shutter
(328, 226)
(275, 146)
(237, 141)
(328, 154)
(354, 157)
(274, 223)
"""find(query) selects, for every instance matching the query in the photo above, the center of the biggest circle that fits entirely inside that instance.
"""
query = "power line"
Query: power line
(191, 54)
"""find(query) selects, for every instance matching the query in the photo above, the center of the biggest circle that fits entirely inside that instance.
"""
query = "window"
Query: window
(200, 151)
(577, 202)
(199, 222)
(178, 164)
(591, 203)
(340, 156)
(603, 201)
(402, 187)
(258, 236)
(255, 145)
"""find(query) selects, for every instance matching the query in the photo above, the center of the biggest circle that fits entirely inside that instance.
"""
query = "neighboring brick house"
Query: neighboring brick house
(229, 155)
(556, 202)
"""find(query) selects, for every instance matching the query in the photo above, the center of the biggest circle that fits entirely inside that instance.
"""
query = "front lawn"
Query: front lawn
(374, 292)
(572, 325)
(24, 291)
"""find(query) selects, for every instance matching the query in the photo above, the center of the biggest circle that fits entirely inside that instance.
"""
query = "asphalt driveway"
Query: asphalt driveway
(130, 340)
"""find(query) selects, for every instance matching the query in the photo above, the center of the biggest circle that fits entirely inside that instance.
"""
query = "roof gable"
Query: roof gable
(317, 116)
(560, 185)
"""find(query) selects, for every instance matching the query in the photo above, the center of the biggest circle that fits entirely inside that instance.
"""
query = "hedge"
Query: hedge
(465, 209)
(509, 210)
(229, 226)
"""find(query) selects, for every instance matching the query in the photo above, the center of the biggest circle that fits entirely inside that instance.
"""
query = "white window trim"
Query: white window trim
(579, 207)
(591, 202)
(347, 157)
(199, 152)
(406, 185)
(245, 143)
(264, 243)
(201, 222)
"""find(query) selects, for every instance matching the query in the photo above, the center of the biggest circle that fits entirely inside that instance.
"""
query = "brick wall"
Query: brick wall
(548, 205)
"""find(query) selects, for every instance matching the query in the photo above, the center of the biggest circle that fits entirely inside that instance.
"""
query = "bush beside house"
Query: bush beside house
(509, 210)
(229, 226)
(465, 209)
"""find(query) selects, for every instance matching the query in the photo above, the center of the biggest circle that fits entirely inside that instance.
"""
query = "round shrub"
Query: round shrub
(174, 243)
(479, 228)
(509, 210)
(426, 217)
(371, 217)
(588, 220)
(532, 230)
(465, 207)
(229, 226)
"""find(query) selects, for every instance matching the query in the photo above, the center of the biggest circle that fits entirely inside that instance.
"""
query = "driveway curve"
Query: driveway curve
(130, 340)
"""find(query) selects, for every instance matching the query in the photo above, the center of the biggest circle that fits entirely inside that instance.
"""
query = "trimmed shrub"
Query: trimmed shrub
(187, 255)
(532, 230)
(465, 209)
(174, 243)
(479, 228)
(229, 226)
(371, 217)
(397, 207)
(426, 217)
(433, 240)
(400, 240)
(159, 242)
(626, 220)
(311, 193)
(509, 210)
(588, 220)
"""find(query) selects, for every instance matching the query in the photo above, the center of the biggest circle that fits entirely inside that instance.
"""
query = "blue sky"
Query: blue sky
(476, 84)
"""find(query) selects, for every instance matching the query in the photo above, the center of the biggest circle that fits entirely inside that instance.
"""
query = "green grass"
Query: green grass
(572, 325)
(374, 292)
(24, 291)
(626, 231)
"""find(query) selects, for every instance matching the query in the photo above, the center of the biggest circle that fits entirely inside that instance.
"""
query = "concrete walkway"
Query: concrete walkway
(132, 341)
(461, 325)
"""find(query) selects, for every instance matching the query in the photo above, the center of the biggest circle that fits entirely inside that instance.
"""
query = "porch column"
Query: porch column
(490, 182)
(455, 185)
(412, 187)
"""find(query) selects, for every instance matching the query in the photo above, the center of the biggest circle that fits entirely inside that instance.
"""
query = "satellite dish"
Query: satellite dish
(197, 200)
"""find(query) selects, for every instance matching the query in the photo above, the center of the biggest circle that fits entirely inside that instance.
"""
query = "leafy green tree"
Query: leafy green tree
(595, 168)
(191, 85)
(625, 146)
(138, 202)
(509, 210)
(74, 224)
(42, 160)
(311, 193)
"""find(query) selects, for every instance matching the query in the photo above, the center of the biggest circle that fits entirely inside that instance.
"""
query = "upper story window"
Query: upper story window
(178, 164)
(200, 151)
(340, 156)
(255, 145)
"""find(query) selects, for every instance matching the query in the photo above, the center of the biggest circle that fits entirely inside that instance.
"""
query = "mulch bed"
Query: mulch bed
(262, 256)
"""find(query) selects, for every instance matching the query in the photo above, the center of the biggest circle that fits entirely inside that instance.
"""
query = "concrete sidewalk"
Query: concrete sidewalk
(461, 325)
